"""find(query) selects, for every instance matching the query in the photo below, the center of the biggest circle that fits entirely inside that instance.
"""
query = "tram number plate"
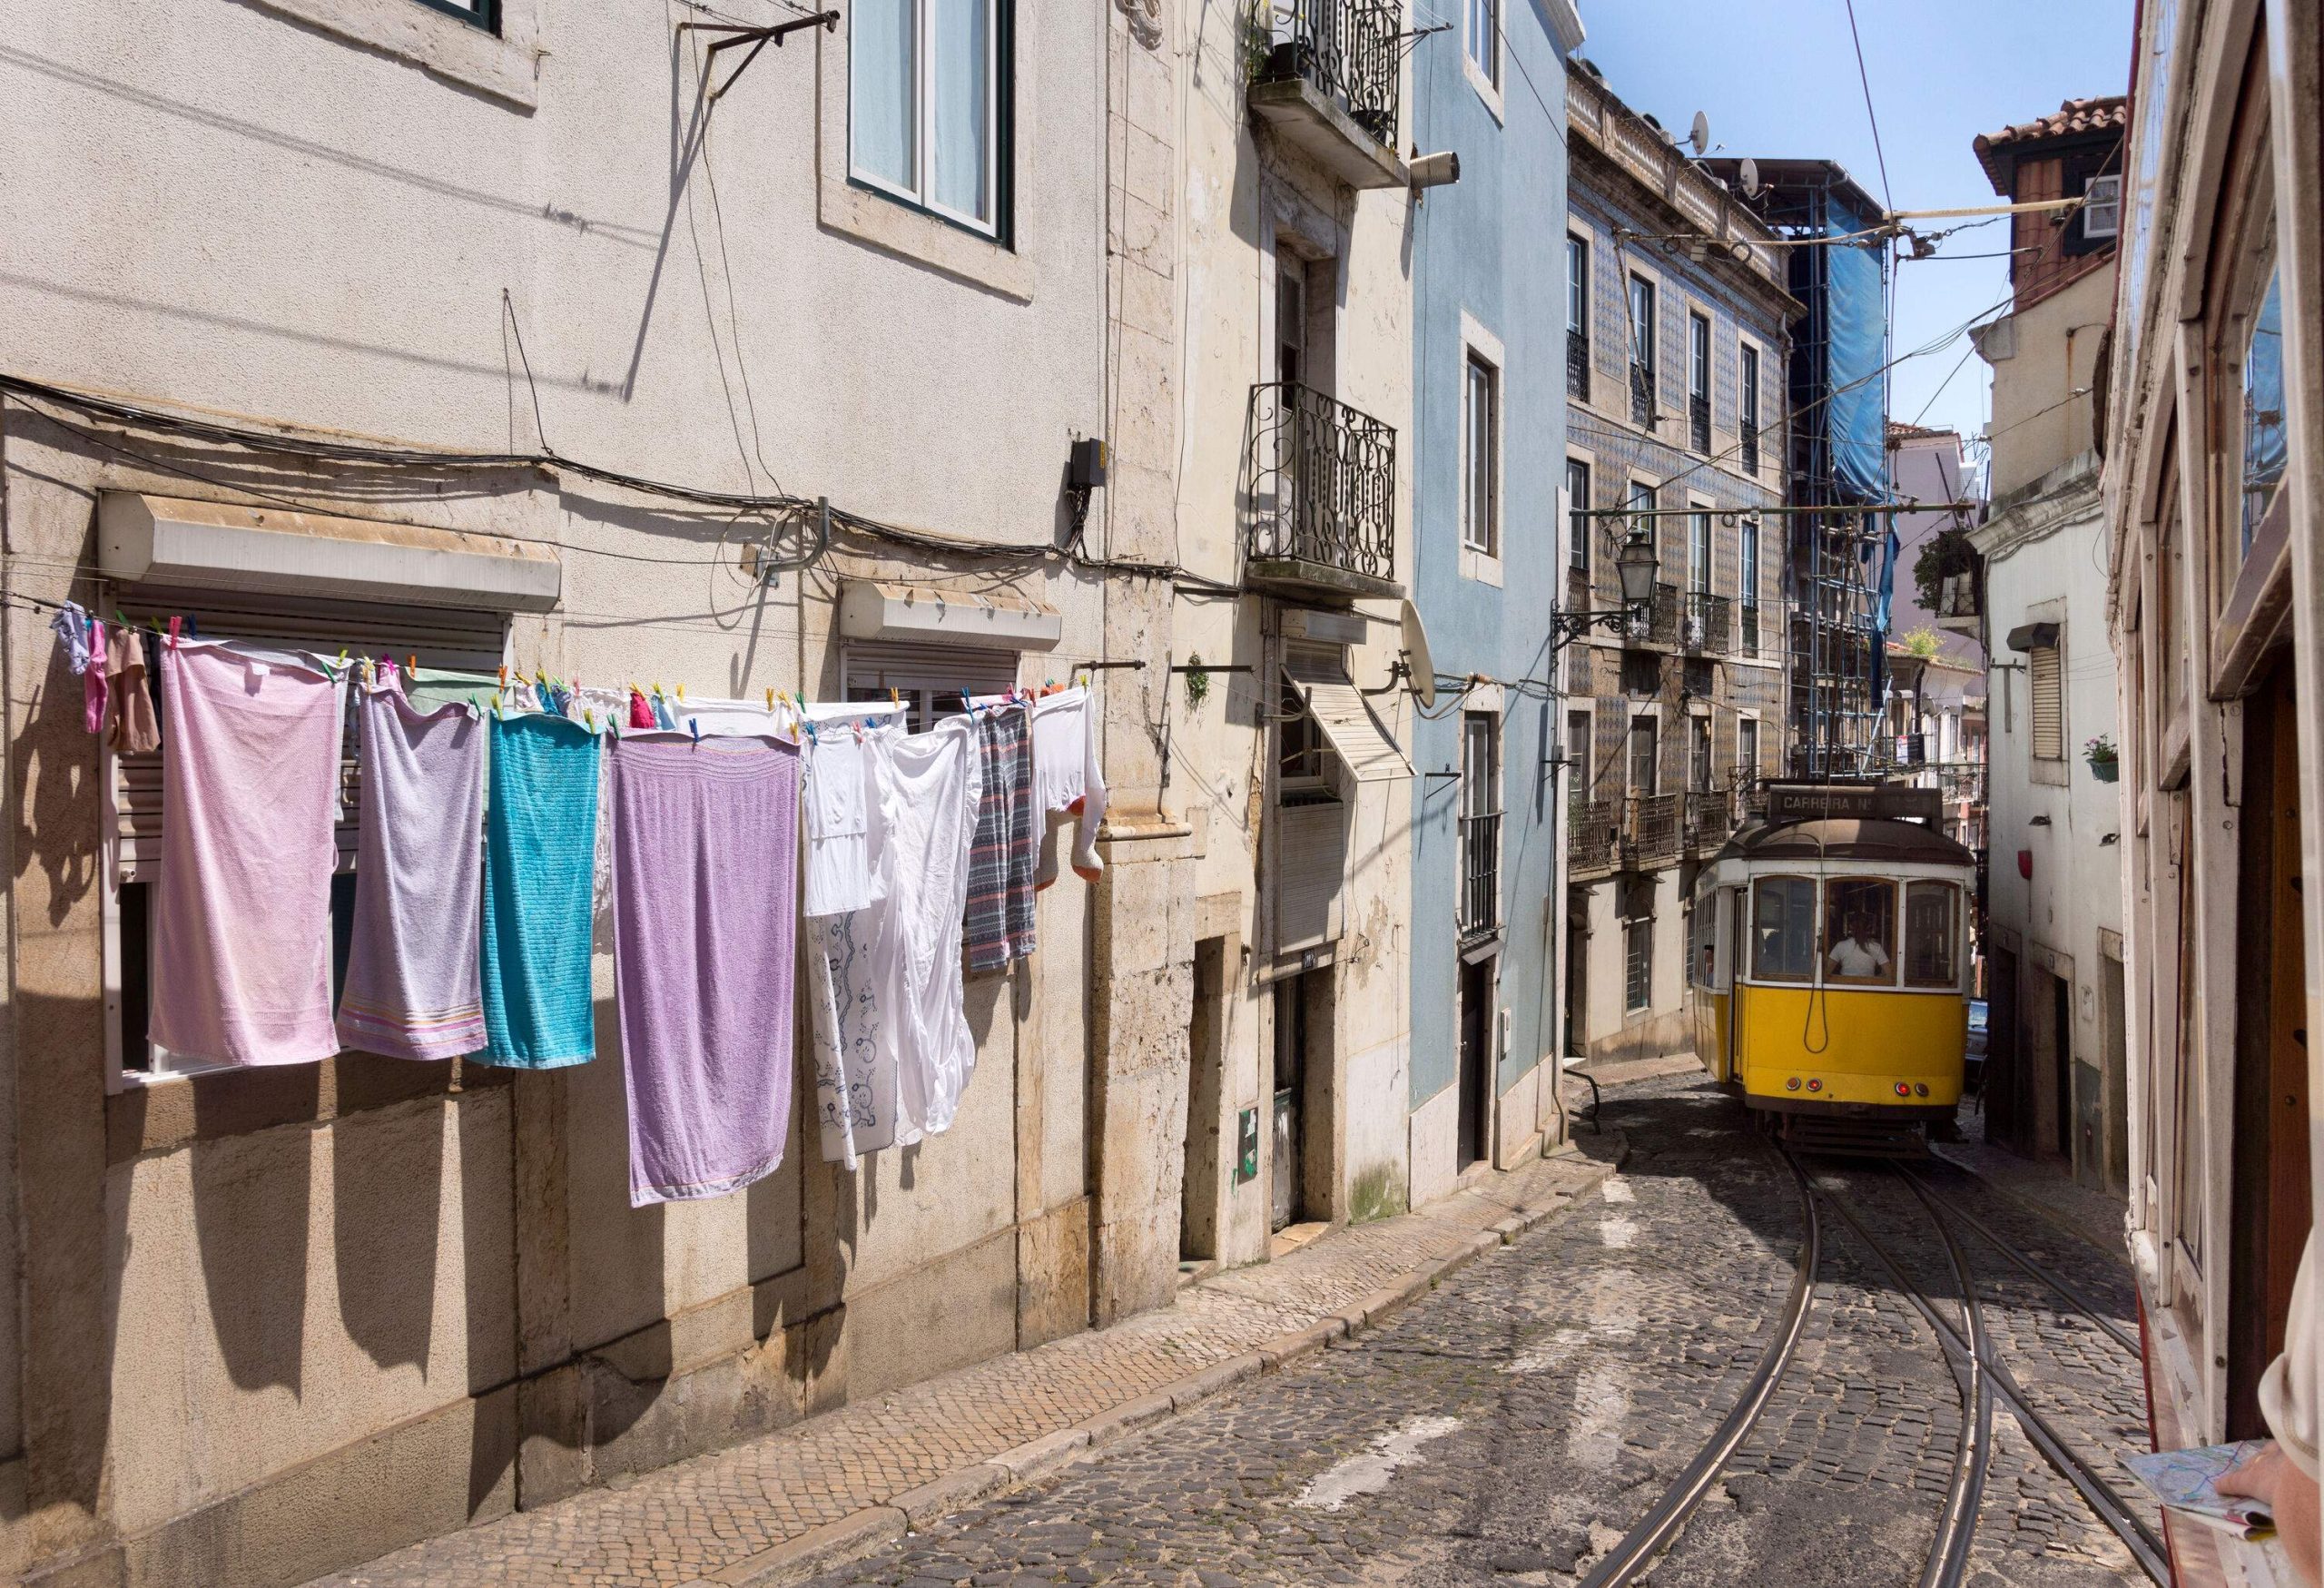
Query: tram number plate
(1853, 803)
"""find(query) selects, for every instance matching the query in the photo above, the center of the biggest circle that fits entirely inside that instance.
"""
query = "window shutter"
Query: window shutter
(472, 642)
(1310, 860)
(2048, 691)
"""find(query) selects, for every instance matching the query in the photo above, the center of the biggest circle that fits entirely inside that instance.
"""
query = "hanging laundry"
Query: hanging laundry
(242, 912)
(539, 854)
(1005, 852)
(840, 800)
(134, 729)
(72, 626)
(429, 688)
(664, 718)
(94, 681)
(641, 715)
(720, 719)
(851, 992)
(706, 842)
(411, 988)
(931, 789)
(1066, 774)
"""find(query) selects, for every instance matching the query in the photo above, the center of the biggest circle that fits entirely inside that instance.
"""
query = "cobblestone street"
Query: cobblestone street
(1514, 1424)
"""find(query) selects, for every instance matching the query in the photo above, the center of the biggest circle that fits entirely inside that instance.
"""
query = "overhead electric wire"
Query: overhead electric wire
(1888, 199)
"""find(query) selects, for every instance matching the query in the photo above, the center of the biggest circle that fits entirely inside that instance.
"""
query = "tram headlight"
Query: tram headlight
(1904, 1091)
(1922, 1088)
(1792, 1085)
(1814, 1085)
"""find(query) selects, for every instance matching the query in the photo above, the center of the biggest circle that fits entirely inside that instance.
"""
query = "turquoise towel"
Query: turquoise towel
(540, 849)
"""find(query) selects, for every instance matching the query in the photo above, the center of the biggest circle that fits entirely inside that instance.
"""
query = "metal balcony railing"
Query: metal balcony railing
(1481, 874)
(1658, 624)
(1347, 49)
(1706, 625)
(1710, 818)
(1749, 449)
(1641, 395)
(1322, 482)
(1698, 420)
(1747, 629)
(1751, 798)
(1577, 366)
(1651, 829)
(1591, 829)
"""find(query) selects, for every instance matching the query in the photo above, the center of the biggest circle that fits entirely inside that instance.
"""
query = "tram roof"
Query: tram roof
(1902, 843)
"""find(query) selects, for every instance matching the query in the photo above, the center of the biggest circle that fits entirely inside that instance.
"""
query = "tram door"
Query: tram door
(1738, 901)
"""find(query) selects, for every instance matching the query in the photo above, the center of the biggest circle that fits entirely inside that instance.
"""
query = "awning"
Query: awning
(1361, 744)
(228, 547)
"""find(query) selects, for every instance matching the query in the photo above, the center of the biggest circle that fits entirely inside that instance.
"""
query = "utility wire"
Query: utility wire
(1888, 200)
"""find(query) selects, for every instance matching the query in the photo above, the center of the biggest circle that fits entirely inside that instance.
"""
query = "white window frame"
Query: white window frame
(1480, 554)
(1630, 754)
(1699, 722)
(1574, 509)
(1748, 719)
(2111, 207)
(1480, 58)
(1638, 926)
(1577, 283)
(1702, 514)
(922, 194)
(1751, 353)
(1644, 338)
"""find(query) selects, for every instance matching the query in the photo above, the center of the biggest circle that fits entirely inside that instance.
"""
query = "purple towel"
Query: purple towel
(706, 870)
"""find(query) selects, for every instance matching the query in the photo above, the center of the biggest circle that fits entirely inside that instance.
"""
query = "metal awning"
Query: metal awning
(1357, 738)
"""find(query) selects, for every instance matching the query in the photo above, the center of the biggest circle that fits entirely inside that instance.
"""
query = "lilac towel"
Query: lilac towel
(412, 990)
(705, 872)
(241, 916)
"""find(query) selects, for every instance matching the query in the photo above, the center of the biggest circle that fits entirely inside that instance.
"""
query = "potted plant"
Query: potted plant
(2105, 765)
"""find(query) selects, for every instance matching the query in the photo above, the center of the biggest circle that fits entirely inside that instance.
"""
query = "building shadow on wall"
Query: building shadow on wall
(56, 793)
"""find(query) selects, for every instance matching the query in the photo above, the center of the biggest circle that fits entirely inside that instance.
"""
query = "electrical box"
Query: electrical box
(1086, 469)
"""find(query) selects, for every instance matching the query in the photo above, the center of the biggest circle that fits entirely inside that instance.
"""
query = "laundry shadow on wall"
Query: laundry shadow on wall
(53, 789)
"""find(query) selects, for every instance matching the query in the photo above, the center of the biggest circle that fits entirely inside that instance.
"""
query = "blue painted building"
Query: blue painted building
(1488, 448)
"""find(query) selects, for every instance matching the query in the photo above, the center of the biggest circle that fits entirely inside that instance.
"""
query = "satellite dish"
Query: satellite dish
(1699, 134)
(1420, 665)
(1749, 173)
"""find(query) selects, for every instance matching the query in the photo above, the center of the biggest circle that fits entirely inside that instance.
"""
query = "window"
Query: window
(1746, 563)
(1860, 931)
(1750, 380)
(1699, 753)
(2045, 680)
(1302, 755)
(1642, 328)
(926, 91)
(1638, 965)
(933, 681)
(1783, 935)
(2102, 207)
(485, 14)
(1578, 748)
(1699, 553)
(1699, 382)
(1576, 523)
(1484, 39)
(1704, 959)
(1932, 913)
(1746, 749)
(1290, 319)
(2266, 440)
(1645, 754)
(1577, 286)
(1480, 822)
(1480, 467)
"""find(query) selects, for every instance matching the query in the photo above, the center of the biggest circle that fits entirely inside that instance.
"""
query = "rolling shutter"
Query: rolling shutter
(2047, 687)
(441, 638)
(1310, 862)
(1363, 747)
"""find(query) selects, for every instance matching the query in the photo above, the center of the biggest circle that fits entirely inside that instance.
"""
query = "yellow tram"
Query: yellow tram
(1830, 978)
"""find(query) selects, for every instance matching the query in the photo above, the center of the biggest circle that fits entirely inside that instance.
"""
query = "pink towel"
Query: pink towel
(242, 914)
(92, 681)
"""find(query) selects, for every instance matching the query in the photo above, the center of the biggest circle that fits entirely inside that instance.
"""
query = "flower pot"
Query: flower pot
(2106, 771)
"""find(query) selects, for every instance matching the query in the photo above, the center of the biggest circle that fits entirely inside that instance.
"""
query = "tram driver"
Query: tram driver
(1860, 956)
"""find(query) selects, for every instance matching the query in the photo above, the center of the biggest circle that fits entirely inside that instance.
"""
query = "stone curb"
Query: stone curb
(853, 1537)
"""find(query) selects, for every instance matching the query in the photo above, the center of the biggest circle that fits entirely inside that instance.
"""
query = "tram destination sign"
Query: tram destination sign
(1852, 802)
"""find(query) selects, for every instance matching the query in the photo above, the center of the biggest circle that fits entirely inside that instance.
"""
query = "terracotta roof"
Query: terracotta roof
(1898, 430)
(2075, 118)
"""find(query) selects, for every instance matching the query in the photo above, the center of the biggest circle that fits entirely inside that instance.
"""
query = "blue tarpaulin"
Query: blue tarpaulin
(1855, 316)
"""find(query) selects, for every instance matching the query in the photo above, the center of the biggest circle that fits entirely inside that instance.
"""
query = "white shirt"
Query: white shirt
(1852, 958)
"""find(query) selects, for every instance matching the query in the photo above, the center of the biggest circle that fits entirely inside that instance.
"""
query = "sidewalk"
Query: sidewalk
(840, 1484)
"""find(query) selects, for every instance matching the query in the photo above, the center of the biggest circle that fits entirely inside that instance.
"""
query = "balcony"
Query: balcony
(1641, 395)
(1749, 450)
(1326, 80)
(1480, 875)
(1591, 829)
(1706, 623)
(1751, 799)
(1321, 513)
(1650, 830)
(1577, 366)
(1699, 421)
(1709, 819)
(1959, 605)
(1659, 624)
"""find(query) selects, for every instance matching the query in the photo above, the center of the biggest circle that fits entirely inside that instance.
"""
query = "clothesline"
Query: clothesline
(484, 837)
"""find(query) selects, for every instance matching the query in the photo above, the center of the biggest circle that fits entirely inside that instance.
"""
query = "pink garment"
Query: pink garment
(641, 715)
(241, 913)
(92, 681)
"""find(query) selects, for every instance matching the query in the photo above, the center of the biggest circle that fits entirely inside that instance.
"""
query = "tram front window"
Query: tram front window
(1784, 929)
(1930, 910)
(1860, 926)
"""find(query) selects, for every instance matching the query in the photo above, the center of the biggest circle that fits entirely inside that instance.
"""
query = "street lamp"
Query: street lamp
(1638, 566)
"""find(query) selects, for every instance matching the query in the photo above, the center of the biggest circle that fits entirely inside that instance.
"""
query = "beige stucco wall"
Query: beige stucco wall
(2040, 393)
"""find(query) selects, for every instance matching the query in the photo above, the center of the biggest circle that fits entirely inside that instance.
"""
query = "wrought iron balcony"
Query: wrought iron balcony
(1751, 798)
(1658, 624)
(1327, 78)
(1577, 365)
(1650, 830)
(1706, 625)
(1698, 420)
(1641, 395)
(1709, 818)
(1321, 509)
(1750, 447)
(1480, 874)
(1591, 829)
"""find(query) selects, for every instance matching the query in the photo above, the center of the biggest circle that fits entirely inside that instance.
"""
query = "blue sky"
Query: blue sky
(1779, 77)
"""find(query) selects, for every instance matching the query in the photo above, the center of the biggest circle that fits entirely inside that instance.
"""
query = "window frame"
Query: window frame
(927, 678)
(1653, 721)
(1645, 314)
(1702, 549)
(1294, 722)
(2090, 206)
(2057, 655)
(1747, 768)
(1884, 981)
(999, 88)
(1637, 964)
(1699, 361)
(1578, 472)
(1577, 284)
(1906, 936)
(1479, 453)
(1759, 971)
(1484, 65)
(484, 14)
